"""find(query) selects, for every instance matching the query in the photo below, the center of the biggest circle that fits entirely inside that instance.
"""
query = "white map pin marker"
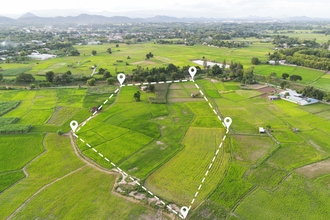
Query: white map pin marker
(184, 211)
(228, 122)
(121, 78)
(192, 71)
(74, 125)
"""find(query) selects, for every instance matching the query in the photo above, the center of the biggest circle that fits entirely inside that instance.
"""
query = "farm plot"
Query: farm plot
(62, 114)
(209, 87)
(120, 148)
(250, 149)
(232, 188)
(294, 155)
(9, 178)
(267, 176)
(57, 161)
(16, 151)
(36, 116)
(182, 93)
(70, 97)
(24, 95)
(296, 198)
(93, 203)
(179, 178)
(8, 106)
(315, 170)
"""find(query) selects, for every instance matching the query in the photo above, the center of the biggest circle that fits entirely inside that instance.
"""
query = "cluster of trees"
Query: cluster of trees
(235, 72)
(312, 58)
(161, 41)
(59, 78)
(310, 91)
(228, 44)
(25, 77)
(157, 74)
(280, 40)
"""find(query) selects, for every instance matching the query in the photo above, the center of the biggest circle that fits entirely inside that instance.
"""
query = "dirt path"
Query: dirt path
(40, 190)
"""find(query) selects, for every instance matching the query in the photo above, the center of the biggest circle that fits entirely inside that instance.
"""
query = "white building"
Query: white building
(293, 96)
(38, 56)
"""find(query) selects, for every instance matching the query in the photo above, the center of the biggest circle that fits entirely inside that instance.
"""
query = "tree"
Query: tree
(66, 78)
(295, 77)
(248, 76)
(74, 52)
(110, 81)
(171, 68)
(91, 82)
(151, 88)
(285, 75)
(149, 55)
(162, 77)
(109, 50)
(50, 76)
(204, 63)
(25, 77)
(216, 70)
(68, 72)
(224, 64)
(106, 74)
(94, 52)
(117, 45)
(150, 79)
(101, 70)
(1, 77)
(327, 97)
(255, 61)
(284, 84)
(137, 96)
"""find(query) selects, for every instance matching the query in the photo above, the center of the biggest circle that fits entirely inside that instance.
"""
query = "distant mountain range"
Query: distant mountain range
(30, 18)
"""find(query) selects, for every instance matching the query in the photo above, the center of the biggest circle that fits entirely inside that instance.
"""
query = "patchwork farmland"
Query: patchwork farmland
(165, 147)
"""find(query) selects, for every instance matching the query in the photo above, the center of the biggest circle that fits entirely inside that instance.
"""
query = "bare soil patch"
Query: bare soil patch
(144, 61)
(316, 169)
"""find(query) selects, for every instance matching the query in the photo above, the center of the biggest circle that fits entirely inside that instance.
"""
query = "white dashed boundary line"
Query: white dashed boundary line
(131, 177)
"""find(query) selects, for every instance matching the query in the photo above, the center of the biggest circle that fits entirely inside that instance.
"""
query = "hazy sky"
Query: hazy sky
(183, 8)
